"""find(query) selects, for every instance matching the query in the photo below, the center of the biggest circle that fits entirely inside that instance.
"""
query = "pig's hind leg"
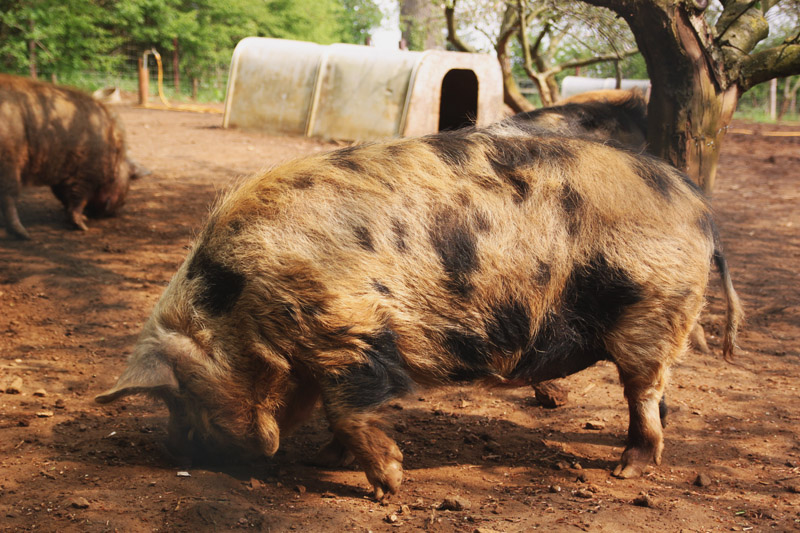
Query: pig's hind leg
(644, 369)
(13, 224)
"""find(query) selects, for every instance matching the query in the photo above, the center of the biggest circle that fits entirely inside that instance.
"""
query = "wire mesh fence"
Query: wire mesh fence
(176, 84)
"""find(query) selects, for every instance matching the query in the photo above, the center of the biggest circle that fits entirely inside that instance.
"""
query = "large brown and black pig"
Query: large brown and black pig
(503, 256)
(64, 139)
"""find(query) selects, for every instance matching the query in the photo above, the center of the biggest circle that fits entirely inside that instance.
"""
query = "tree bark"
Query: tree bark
(689, 109)
(697, 78)
(419, 26)
(32, 52)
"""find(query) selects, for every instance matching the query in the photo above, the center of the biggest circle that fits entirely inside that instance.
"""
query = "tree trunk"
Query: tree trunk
(512, 96)
(32, 52)
(789, 96)
(421, 23)
(690, 109)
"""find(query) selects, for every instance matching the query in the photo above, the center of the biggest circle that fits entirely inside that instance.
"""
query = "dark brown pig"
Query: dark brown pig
(504, 256)
(618, 116)
(64, 139)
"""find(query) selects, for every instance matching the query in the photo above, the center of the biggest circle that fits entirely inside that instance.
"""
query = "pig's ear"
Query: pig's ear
(137, 170)
(142, 375)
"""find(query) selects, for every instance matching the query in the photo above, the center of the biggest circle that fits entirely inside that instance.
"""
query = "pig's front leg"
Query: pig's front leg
(377, 454)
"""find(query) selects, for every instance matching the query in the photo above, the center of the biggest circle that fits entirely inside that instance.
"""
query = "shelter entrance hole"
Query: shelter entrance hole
(458, 106)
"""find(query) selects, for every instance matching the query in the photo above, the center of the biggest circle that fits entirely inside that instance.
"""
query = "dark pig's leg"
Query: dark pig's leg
(10, 185)
(374, 451)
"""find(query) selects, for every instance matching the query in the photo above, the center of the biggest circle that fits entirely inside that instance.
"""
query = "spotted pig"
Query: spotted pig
(504, 256)
(66, 140)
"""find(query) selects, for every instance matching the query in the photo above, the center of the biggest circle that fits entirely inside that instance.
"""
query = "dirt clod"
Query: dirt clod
(551, 394)
(644, 500)
(79, 503)
(454, 503)
(702, 480)
(15, 386)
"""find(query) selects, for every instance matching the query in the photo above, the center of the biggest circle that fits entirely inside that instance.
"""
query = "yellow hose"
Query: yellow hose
(179, 107)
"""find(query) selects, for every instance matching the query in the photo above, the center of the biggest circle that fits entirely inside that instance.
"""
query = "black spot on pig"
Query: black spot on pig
(453, 148)
(482, 223)
(509, 158)
(468, 348)
(381, 288)
(303, 181)
(220, 286)
(706, 224)
(364, 238)
(510, 327)
(654, 175)
(399, 229)
(380, 378)
(543, 273)
(343, 159)
(456, 247)
(571, 202)
(570, 337)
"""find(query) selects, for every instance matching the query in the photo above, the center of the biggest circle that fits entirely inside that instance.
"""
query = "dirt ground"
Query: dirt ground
(72, 303)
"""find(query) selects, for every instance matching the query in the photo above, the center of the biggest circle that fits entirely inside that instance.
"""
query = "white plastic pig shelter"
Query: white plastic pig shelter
(345, 91)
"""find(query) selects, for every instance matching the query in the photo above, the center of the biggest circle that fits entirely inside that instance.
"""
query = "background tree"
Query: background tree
(700, 62)
(50, 37)
(550, 37)
(75, 36)
(421, 23)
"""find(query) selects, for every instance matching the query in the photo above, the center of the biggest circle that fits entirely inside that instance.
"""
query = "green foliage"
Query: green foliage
(71, 36)
(65, 35)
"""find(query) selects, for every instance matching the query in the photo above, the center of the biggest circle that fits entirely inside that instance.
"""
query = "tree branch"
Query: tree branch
(620, 7)
(593, 60)
(777, 62)
(740, 28)
(452, 36)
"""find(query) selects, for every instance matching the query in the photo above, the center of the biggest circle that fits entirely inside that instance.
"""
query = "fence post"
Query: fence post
(144, 83)
(773, 98)
(176, 77)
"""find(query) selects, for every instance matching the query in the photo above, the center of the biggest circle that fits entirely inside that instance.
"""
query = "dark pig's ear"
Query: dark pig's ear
(142, 375)
(137, 170)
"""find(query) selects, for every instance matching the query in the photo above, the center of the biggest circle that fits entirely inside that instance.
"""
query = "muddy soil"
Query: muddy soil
(72, 303)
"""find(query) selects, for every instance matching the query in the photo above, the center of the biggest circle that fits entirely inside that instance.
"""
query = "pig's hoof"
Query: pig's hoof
(628, 472)
(21, 234)
(634, 461)
(79, 219)
(388, 481)
(333, 455)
